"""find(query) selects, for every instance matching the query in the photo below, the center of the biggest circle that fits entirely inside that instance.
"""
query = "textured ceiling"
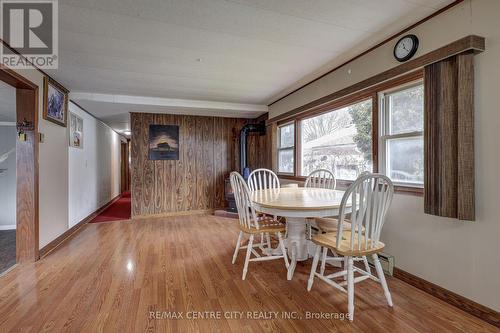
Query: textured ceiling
(239, 51)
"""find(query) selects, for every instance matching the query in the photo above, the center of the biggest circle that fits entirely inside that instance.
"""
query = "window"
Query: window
(339, 141)
(401, 134)
(286, 148)
(378, 129)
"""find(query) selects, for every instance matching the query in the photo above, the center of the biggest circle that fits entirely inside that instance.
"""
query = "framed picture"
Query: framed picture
(163, 142)
(75, 131)
(55, 102)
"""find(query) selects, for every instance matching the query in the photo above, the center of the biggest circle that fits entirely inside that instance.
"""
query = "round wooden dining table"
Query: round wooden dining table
(296, 205)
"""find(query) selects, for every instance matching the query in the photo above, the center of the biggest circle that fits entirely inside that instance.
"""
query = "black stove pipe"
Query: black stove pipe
(259, 128)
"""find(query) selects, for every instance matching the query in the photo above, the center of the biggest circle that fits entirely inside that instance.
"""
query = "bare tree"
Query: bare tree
(325, 124)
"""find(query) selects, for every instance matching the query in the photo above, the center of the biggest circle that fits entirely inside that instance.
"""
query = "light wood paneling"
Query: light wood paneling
(110, 276)
(209, 151)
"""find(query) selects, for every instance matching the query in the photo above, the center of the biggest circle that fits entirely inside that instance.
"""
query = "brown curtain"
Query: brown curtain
(449, 137)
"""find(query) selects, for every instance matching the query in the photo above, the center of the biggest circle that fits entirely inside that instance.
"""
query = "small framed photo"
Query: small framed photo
(75, 131)
(55, 102)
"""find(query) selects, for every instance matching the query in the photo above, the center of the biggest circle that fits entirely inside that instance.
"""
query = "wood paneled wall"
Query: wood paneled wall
(209, 150)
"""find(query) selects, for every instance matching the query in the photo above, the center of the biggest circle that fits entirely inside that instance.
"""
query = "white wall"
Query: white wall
(54, 201)
(94, 171)
(459, 256)
(8, 136)
(53, 170)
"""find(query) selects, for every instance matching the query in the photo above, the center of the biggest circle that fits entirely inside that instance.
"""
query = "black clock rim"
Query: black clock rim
(412, 52)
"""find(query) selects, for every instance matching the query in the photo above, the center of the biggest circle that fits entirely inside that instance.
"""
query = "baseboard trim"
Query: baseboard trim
(181, 213)
(8, 227)
(482, 312)
(74, 229)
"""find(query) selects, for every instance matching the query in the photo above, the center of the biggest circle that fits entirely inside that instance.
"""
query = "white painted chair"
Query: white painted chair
(321, 178)
(328, 224)
(369, 198)
(261, 179)
(251, 224)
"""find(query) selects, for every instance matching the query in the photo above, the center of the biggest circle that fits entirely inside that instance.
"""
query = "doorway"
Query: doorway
(8, 171)
(125, 167)
(20, 166)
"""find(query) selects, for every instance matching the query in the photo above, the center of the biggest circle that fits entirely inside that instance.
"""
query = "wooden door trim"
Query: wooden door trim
(27, 209)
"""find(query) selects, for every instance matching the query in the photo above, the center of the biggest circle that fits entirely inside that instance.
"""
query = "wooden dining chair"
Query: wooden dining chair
(252, 224)
(368, 200)
(261, 179)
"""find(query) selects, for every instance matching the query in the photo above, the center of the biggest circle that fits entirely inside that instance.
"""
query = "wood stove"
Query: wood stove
(229, 195)
(244, 169)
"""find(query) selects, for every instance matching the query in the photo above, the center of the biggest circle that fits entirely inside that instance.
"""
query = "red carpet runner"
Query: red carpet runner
(119, 210)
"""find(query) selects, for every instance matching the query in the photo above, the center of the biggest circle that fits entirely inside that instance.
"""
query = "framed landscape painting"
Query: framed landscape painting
(75, 131)
(163, 142)
(55, 108)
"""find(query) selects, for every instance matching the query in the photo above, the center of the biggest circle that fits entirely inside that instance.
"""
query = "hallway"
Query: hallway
(117, 211)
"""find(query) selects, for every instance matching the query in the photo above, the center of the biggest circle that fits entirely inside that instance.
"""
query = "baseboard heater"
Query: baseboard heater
(387, 262)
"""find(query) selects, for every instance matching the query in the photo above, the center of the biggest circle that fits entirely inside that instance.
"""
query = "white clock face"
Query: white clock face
(404, 47)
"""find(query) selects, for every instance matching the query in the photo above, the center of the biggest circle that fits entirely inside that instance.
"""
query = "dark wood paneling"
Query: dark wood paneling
(489, 315)
(27, 178)
(469, 43)
(209, 150)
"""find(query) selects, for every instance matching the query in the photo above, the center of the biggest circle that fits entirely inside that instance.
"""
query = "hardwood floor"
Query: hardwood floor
(110, 276)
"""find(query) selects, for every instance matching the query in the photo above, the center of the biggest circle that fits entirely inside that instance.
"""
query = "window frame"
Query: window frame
(384, 128)
(362, 98)
(340, 102)
(287, 148)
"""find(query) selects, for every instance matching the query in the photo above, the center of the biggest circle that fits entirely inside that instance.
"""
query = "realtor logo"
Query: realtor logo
(30, 29)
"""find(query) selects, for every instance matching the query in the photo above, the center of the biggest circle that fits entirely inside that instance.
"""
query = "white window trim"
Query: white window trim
(384, 128)
(292, 148)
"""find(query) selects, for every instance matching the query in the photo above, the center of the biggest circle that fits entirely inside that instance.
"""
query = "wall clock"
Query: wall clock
(406, 48)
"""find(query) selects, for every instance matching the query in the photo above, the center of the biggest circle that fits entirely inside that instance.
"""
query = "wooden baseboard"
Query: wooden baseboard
(489, 315)
(181, 213)
(74, 229)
